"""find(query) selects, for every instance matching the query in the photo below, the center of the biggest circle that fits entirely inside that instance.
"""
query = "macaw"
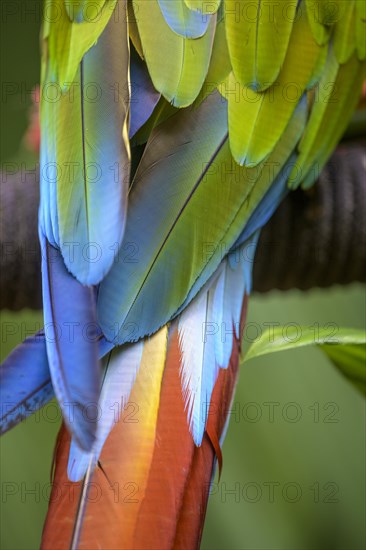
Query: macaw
(170, 132)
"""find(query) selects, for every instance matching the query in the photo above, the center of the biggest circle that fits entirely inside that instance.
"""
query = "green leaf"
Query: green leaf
(345, 347)
(350, 359)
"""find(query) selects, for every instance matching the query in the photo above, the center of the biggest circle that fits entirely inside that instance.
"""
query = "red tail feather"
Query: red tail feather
(142, 496)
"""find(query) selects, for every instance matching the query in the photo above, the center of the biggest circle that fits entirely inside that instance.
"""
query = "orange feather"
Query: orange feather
(151, 488)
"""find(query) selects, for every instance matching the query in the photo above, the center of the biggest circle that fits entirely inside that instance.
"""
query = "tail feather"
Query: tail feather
(173, 455)
(193, 510)
(151, 488)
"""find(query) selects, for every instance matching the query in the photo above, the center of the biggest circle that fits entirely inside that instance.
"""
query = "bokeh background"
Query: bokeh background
(294, 455)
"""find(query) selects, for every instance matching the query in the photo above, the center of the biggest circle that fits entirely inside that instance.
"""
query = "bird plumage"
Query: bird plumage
(227, 105)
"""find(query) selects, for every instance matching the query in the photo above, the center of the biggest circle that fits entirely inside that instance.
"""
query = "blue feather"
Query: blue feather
(269, 204)
(71, 339)
(144, 97)
(25, 382)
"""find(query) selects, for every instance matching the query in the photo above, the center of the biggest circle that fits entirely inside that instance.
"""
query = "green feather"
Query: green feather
(204, 6)
(69, 41)
(326, 12)
(318, 68)
(220, 66)
(85, 134)
(336, 117)
(320, 98)
(258, 119)
(344, 39)
(329, 11)
(320, 31)
(177, 65)
(189, 202)
(258, 35)
(360, 7)
(84, 10)
(133, 30)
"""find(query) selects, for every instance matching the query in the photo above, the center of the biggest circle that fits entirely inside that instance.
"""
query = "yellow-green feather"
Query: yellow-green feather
(319, 99)
(220, 66)
(193, 226)
(84, 10)
(258, 119)
(344, 38)
(258, 35)
(177, 65)
(320, 31)
(336, 117)
(360, 28)
(204, 6)
(69, 41)
(133, 30)
(85, 135)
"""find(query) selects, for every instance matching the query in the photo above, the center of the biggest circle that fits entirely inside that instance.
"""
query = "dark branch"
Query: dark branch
(316, 238)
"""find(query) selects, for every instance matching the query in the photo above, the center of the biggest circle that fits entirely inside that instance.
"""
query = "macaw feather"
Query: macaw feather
(203, 6)
(145, 494)
(220, 65)
(258, 36)
(67, 41)
(338, 112)
(344, 38)
(321, 31)
(25, 382)
(206, 328)
(164, 184)
(85, 148)
(326, 93)
(199, 367)
(269, 203)
(81, 11)
(177, 65)
(252, 137)
(166, 197)
(133, 30)
(182, 20)
(72, 343)
(163, 110)
(360, 28)
(144, 97)
(121, 368)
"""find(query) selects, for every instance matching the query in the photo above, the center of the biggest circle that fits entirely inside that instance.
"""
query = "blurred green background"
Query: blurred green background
(294, 456)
